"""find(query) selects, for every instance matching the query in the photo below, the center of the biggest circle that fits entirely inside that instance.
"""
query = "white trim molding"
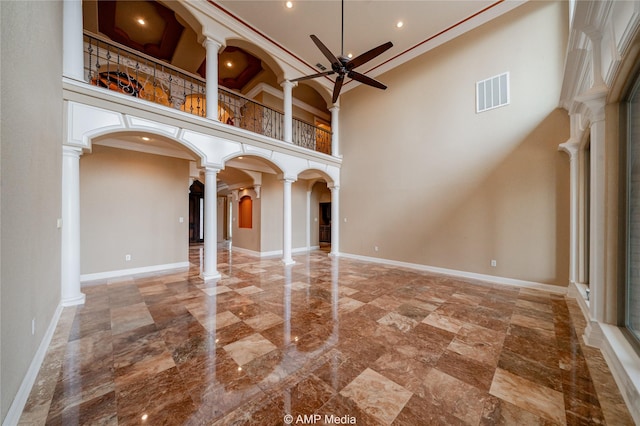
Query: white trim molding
(462, 274)
(132, 271)
(20, 400)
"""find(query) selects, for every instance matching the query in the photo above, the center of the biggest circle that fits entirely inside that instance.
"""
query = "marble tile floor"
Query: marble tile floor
(366, 343)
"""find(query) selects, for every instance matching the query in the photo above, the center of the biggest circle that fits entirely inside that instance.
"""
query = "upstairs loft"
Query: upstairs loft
(116, 67)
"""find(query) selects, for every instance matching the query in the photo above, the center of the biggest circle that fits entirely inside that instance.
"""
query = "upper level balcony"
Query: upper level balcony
(114, 66)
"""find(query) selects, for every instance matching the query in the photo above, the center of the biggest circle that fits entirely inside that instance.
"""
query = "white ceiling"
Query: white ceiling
(367, 24)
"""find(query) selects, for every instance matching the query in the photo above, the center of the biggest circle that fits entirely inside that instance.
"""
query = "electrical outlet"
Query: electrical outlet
(375, 248)
(494, 263)
(127, 257)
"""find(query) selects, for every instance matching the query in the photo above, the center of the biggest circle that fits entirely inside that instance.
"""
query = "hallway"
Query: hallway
(369, 343)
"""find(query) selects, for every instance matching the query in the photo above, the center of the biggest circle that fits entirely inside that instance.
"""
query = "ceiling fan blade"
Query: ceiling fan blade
(366, 80)
(367, 56)
(325, 51)
(337, 87)
(309, 77)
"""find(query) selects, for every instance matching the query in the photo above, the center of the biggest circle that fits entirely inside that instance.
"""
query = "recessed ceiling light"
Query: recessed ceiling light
(229, 64)
(141, 21)
(399, 24)
(350, 55)
(289, 4)
(144, 138)
(240, 158)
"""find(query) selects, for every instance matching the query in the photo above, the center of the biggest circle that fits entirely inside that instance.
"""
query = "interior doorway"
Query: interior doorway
(196, 212)
(325, 223)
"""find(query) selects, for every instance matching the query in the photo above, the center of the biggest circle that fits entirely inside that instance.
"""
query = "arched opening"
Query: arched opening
(135, 204)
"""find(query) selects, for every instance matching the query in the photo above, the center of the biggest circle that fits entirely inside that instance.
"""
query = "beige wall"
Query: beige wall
(31, 164)
(130, 203)
(271, 196)
(431, 182)
(247, 238)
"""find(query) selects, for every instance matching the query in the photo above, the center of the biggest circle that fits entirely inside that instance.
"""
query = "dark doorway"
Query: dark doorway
(196, 210)
(325, 222)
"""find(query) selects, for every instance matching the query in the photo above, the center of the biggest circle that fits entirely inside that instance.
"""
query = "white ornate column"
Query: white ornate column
(595, 102)
(72, 43)
(308, 217)
(335, 220)
(571, 147)
(210, 270)
(212, 47)
(335, 133)
(287, 88)
(70, 244)
(287, 224)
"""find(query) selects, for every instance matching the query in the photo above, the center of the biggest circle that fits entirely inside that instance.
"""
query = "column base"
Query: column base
(73, 301)
(209, 276)
(334, 254)
(288, 262)
(593, 335)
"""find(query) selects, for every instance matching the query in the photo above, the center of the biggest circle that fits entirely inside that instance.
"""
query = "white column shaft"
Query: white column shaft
(70, 267)
(287, 223)
(210, 270)
(597, 231)
(287, 88)
(335, 221)
(72, 43)
(335, 134)
(212, 47)
(309, 216)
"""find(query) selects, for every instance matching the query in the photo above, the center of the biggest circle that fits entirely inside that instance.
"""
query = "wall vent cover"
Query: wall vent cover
(492, 92)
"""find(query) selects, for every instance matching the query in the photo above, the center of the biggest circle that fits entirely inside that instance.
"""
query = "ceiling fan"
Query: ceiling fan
(343, 66)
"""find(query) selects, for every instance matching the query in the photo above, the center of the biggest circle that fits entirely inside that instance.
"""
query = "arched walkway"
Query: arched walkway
(210, 151)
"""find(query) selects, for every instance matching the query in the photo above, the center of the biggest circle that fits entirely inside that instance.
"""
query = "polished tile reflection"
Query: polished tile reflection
(325, 337)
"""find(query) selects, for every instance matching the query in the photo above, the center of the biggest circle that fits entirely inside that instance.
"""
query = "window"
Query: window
(245, 207)
(632, 285)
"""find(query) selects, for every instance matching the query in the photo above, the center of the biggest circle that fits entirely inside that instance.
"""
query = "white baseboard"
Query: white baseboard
(624, 363)
(462, 274)
(622, 359)
(132, 271)
(17, 406)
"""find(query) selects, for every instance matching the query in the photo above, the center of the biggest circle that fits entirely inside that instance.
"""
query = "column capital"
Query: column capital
(333, 187)
(71, 151)
(335, 107)
(595, 99)
(211, 169)
(209, 42)
(289, 179)
(286, 83)
(571, 148)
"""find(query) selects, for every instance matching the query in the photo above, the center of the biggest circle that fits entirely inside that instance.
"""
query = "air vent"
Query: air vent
(321, 67)
(492, 92)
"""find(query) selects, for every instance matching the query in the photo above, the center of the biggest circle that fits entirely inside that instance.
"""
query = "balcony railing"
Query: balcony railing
(116, 67)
